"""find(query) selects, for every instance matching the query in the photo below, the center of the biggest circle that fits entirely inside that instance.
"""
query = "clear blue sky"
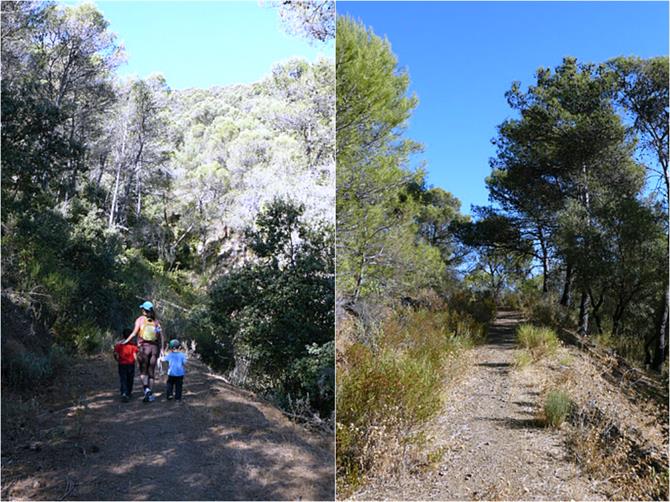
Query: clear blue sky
(463, 56)
(202, 44)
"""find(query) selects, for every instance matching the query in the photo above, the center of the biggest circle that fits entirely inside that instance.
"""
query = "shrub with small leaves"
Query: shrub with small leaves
(389, 386)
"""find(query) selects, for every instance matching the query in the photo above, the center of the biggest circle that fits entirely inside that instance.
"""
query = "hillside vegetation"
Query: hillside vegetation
(576, 237)
(119, 190)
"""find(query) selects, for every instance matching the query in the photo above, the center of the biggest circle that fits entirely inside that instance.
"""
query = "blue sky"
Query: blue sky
(202, 44)
(463, 56)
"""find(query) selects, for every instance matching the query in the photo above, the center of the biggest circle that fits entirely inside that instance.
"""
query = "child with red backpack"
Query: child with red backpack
(126, 355)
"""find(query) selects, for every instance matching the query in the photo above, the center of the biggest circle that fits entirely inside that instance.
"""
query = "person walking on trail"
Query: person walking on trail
(150, 342)
(126, 355)
(176, 371)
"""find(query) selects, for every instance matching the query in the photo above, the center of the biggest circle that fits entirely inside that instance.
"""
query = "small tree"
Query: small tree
(272, 311)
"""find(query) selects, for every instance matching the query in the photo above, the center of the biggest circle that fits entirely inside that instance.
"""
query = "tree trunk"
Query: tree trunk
(359, 278)
(138, 208)
(119, 163)
(65, 180)
(125, 202)
(545, 261)
(595, 310)
(103, 162)
(565, 298)
(584, 314)
(619, 310)
(112, 211)
(660, 349)
(616, 322)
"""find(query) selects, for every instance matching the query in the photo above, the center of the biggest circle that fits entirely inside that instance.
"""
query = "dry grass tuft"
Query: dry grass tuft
(522, 359)
(538, 341)
(557, 407)
(617, 442)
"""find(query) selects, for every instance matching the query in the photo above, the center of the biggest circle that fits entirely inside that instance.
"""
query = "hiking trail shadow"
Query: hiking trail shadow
(218, 444)
(502, 332)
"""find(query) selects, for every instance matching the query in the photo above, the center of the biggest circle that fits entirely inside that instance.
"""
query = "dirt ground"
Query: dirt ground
(219, 443)
(494, 446)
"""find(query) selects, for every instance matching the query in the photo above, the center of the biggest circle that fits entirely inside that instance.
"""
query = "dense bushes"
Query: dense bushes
(312, 379)
(80, 283)
(65, 266)
(26, 370)
(389, 385)
(481, 307)
(272, 319)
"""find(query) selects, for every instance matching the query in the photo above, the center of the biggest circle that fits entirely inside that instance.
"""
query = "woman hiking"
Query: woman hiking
(149, 343)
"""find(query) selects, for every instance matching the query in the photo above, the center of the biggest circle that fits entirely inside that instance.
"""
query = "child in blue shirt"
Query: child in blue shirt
(176, 371)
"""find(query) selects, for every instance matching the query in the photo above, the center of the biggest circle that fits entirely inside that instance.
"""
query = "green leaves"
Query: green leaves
(274, 314)
(570, 191)
(380, 212)
(641, 88)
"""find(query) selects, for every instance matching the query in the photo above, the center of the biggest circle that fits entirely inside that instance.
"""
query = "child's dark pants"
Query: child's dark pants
(126, 376)
(174, 382)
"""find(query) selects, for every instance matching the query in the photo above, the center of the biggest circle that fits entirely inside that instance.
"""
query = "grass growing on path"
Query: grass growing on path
(557, 406)
(537, 341)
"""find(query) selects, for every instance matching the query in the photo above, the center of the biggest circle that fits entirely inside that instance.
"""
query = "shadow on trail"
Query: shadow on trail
(515, 423)
(502, 333)
(524, 404)
(495, 365)
(218, 444)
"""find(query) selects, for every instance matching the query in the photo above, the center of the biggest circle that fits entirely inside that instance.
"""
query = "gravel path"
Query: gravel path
(494, 446)
(220, 443)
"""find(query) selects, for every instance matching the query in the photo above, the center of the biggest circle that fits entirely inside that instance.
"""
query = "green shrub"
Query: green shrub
(403, 385)
(544, 313)
(604, 339)
(266, 316)
(380, 401)
(391, 386)
(557, 407)
(88, 338)
(481, 307)
(539, 341)
(313, 376)
(629, 347)
(24, 370)
(27, 369)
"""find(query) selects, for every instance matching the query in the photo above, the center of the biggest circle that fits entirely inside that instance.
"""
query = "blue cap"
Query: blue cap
(147, 306)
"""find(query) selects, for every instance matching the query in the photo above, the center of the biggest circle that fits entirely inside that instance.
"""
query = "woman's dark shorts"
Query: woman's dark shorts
(147, 356)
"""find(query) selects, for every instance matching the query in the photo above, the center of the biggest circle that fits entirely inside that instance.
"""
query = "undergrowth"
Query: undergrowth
(537, 341)
(630, 348)
(522, 358)
(605, 451)
(389, 385)
(27, 369)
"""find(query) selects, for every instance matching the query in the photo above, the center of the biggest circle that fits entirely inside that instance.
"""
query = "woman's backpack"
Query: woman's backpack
(149, 332)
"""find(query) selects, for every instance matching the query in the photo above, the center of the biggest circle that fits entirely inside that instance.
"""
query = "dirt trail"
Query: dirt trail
(494, 448)
(220, 443)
